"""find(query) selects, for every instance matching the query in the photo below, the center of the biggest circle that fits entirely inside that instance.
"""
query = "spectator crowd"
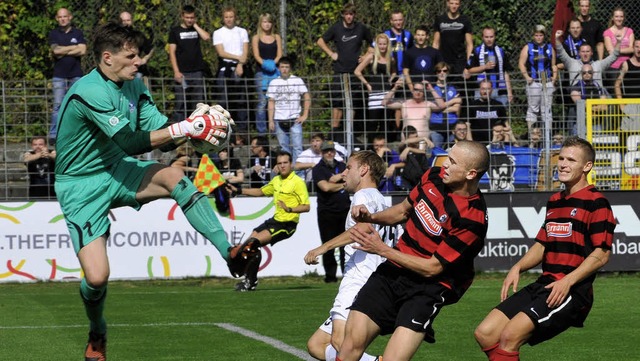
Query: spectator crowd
(433, 79)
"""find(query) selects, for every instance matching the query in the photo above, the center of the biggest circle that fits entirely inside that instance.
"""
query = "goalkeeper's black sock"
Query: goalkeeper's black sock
(195, 206)
(93, 299)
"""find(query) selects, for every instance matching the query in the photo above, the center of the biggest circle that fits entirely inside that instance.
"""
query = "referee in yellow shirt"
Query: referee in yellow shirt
(290, 197)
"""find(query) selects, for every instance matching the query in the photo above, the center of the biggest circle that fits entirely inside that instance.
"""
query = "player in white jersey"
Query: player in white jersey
(364, 171)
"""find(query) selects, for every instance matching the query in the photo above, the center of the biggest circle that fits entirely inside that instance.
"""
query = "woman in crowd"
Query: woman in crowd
(267, 50)
(616, 31)
(377, 84)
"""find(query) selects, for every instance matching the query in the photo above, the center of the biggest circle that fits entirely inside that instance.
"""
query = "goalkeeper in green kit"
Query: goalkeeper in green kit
(107, 117)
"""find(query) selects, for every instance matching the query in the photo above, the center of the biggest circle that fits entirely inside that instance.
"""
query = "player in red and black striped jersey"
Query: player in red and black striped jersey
(432, 264)
(573, 243)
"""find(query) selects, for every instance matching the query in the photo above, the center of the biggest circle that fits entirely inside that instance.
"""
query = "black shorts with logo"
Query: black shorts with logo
(395, 296)
(549, 322)
(279, 230)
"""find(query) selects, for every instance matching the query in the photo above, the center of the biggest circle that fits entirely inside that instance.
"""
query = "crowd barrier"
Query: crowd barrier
(158, 242)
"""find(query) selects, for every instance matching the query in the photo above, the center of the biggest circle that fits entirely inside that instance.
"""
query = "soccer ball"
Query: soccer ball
(204, 147)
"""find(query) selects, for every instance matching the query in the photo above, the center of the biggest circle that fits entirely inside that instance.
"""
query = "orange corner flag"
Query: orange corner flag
(208, 176)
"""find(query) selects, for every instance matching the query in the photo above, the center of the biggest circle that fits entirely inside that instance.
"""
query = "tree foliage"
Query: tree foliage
(24, 25)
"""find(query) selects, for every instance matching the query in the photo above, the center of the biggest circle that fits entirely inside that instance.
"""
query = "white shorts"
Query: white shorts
(350, 285)
(327, 326)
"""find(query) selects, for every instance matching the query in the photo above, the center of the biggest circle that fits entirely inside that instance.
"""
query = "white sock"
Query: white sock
(330, 353)
(367, 357)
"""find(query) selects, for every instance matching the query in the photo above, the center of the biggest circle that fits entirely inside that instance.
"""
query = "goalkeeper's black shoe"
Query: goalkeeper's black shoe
(246, 286)
(241, 255)
(96, 349)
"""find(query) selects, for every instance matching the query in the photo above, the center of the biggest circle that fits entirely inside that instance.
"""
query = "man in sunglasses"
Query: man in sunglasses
(586, 88)
(574, 66)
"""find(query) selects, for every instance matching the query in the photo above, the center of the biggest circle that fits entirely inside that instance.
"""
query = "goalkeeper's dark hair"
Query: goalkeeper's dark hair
(377, 166)
(113, 37)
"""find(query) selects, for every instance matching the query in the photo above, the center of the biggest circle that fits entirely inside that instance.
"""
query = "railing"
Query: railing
(27, 105)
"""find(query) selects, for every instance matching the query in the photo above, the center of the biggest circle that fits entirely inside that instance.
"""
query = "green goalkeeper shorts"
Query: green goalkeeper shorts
(86, 200)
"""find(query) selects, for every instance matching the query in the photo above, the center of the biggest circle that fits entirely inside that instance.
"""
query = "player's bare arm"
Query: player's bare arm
(532, 258)
(369, 241)
(341, 240)
(399, 213)
(560, 289)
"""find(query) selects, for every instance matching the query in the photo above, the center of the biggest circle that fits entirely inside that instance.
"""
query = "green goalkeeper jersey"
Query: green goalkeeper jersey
(94, 109)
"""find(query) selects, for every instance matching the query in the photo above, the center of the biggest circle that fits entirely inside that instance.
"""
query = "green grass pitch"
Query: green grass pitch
(204, 319)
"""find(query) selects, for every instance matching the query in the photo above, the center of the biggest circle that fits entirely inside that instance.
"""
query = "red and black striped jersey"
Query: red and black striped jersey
(447, 226)
(575, 225)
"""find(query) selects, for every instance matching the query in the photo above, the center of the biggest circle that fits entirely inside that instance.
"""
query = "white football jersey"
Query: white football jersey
(361, 262)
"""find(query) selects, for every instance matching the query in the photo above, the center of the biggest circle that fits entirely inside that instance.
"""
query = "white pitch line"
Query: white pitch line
(302, 355)
(268, 340)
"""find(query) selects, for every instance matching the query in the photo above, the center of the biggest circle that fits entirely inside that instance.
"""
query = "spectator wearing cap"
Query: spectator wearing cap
(333, 204)
(311, 156)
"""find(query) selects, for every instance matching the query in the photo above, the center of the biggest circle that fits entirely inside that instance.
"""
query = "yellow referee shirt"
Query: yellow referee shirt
(292, 191)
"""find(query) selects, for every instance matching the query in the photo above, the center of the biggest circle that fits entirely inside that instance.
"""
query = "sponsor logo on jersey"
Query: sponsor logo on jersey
(557, 229)
(427, 218)
(113, 121)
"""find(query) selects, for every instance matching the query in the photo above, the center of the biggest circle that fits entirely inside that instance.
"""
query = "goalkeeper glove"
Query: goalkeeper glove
(207, 127)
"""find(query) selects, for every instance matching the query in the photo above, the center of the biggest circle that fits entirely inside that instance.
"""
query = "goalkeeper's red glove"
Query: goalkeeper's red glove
(207, 127)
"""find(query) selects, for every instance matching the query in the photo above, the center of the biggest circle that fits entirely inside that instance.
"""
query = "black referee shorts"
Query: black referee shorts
(279, 230)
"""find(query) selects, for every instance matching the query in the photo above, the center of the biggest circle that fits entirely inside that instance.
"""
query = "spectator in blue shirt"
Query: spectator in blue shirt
(68, 46)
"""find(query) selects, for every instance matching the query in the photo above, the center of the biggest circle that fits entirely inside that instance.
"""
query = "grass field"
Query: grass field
(205, 320)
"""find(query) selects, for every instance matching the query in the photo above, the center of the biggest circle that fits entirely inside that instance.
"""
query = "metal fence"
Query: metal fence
(26, 105)
(26, 112)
